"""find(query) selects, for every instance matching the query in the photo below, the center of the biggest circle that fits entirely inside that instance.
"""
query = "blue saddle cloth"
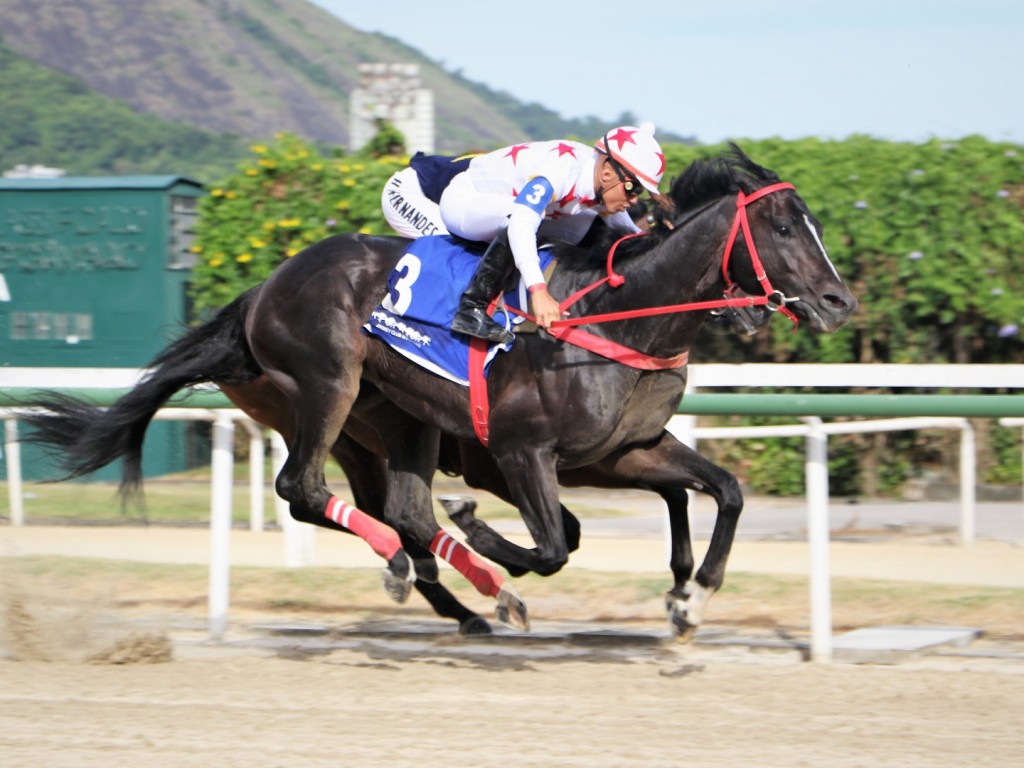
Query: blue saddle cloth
(423, 295)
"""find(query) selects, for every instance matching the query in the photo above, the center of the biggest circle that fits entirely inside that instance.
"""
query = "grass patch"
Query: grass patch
(752, 601)
(184, 498)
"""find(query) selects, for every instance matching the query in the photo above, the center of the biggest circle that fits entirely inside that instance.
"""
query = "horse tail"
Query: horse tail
(84, 438)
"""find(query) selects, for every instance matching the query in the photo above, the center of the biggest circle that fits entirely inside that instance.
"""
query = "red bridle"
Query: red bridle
(742, 201)
(566, 330)
(773, 299)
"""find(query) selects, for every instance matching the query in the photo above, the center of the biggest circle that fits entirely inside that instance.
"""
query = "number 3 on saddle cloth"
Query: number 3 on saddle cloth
(423, 294)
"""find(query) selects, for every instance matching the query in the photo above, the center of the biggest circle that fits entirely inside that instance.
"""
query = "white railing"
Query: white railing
(812, 428)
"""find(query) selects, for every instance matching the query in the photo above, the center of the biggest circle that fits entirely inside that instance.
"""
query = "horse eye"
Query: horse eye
(782, 229)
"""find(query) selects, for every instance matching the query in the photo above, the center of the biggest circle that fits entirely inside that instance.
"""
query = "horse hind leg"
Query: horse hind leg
(319, 419)
(367, 477)
(412, 450)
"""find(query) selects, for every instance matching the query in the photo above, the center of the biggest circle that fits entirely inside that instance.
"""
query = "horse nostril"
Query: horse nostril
(839, 303)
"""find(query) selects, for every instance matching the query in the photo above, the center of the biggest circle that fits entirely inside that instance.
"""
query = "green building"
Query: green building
(93, 274)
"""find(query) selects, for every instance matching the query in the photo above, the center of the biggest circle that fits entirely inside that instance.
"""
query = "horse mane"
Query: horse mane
(711, 178)
(704, 181)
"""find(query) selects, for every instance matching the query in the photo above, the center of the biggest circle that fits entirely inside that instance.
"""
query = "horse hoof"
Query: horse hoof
(511, 610)
(686, 611)
(398, 577)
(682, 630)
(475, 627)
(459, 508)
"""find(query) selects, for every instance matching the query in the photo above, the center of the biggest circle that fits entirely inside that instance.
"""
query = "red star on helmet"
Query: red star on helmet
(513, 152)
(661, 170)
(623, 136)
(565, 149)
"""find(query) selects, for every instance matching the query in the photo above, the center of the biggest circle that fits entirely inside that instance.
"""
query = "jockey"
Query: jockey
(507, 196)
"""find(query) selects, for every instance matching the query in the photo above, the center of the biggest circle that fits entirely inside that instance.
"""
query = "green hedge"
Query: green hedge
(928, 235)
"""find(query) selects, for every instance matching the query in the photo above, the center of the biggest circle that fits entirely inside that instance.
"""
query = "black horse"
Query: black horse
(558, 412)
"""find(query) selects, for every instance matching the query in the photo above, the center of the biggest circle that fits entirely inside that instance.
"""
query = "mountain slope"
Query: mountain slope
(253, 68)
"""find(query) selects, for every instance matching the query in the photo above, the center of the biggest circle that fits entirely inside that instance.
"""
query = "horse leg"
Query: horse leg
(531, 476)
(412, 450)
(319, 418)
(368, 478)
(669, 468)
(479, 470)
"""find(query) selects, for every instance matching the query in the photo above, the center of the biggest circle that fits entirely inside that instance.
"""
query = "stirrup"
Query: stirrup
(475, 322)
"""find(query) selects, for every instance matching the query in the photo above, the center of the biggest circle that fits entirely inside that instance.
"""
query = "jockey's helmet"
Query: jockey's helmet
(634, 149)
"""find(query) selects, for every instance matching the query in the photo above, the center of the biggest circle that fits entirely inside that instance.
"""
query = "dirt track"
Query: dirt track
(358, 708)
(444, 701)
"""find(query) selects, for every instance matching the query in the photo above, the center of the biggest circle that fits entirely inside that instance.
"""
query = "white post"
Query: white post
(12, 449)
(816, 474)
(222, 465)
(968, 472)
(257, 456)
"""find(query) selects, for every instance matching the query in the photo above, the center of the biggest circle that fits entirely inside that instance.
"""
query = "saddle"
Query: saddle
(423, 295)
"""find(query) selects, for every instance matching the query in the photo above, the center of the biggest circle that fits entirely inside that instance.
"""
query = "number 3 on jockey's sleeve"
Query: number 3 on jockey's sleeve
(536, 195)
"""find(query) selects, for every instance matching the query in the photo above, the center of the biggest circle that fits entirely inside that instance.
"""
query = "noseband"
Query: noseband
(774, 300)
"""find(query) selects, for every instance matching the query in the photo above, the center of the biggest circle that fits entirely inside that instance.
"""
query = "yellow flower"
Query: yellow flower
(317, 166)
(267, 162)
(196, 249)
(257, 149)
(251, 172)
(289, 223)
(349, 182)
(366, 230)
(343, 205)
(242, 258)
(216, 262)
(358, 167)
(217, 192)
(269, 226)
(344, 168)
(291, 251)
(255, 242)
(230, 194)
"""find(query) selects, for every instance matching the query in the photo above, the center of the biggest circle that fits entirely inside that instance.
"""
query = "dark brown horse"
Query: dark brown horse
(558, 412)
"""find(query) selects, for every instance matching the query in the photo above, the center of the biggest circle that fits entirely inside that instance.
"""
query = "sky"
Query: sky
(901, 70)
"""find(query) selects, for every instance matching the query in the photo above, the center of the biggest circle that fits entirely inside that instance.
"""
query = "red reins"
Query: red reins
(615, 280)
(566, 330)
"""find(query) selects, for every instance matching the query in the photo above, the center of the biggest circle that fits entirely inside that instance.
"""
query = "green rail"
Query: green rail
(17, 397)
(878, 406)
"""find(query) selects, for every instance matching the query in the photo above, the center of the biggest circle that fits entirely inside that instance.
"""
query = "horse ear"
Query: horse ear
(740, 161)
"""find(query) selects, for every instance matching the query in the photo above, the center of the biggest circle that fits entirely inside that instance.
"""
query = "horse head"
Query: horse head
(774, 247)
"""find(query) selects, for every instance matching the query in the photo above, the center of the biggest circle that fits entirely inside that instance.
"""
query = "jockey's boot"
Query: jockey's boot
(471, 317)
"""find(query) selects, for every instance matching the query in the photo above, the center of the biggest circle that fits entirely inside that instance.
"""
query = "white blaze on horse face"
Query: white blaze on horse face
(814, 234)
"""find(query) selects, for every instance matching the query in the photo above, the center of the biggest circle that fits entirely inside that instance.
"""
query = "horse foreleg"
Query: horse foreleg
(669, 468)
(479, 470)
(531, 475)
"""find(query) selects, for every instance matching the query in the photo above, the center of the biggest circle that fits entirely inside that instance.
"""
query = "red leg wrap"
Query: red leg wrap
(481, 575)
(382, 538)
